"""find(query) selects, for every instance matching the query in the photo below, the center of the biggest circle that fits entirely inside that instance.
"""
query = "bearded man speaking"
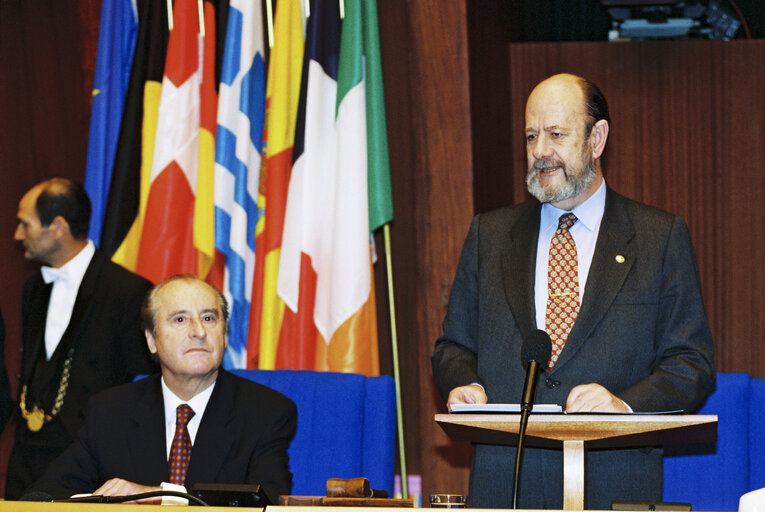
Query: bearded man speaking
(613, 282)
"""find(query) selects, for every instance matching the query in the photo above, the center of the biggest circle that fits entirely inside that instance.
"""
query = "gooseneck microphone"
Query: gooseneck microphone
(535, 354)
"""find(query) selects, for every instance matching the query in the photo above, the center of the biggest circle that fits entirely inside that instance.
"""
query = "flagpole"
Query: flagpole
(396, 374)
(201, 13)
(169, 15)
(270, 23)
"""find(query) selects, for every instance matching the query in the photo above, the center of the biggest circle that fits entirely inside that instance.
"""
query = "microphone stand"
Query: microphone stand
(527, 403)
(521, 435)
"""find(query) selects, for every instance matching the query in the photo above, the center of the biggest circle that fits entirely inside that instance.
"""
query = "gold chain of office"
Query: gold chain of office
(37, 417)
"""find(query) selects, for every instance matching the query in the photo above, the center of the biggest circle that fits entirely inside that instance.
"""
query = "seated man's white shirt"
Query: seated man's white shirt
(198, 404)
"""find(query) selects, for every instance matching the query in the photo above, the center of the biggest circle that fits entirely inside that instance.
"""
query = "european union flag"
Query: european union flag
(116, 43)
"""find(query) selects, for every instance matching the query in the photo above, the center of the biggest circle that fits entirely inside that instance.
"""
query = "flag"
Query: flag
(125, 208)
(282, 92)
(116, 44)
(362, 64)
(340, 192)
(309, 189)
(204, 203)
(238, 143)
(177, 235)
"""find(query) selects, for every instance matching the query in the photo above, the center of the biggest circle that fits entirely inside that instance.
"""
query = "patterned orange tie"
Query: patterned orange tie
(562, 286)
(180, 450)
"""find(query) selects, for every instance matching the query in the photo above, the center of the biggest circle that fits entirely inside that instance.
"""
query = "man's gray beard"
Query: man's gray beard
(572, 187)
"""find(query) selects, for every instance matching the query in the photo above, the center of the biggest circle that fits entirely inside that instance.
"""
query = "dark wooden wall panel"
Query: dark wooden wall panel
(741, 278)
(442, 208)
(425, 60)
(394, 45)
(493, 135)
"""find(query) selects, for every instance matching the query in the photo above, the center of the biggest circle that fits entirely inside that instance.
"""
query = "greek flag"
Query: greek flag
(241, 107)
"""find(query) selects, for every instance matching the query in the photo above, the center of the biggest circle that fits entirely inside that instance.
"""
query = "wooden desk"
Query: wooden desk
(41, 506)
(38, 506)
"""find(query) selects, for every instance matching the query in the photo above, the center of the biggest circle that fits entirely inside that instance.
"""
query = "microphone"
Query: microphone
(535, 354)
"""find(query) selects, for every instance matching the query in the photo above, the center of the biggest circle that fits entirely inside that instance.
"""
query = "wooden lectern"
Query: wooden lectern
(577, 432)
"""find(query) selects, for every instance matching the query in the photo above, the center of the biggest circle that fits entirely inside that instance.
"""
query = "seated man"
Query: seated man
(137, 436)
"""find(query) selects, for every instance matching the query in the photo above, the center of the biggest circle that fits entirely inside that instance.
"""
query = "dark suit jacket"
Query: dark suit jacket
(243, 438)
(105, 330)
(641, 333)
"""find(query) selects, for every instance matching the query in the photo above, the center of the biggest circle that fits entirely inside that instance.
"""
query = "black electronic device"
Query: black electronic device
(651, 505)
(231, 495)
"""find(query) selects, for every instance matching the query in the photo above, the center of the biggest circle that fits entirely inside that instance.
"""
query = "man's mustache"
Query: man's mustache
(547, 165)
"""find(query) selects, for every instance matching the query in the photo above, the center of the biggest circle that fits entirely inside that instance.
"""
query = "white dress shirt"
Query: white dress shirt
(66, 283)
(198, 404)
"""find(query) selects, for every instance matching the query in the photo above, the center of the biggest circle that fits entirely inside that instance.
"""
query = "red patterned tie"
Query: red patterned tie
(180, 450)
(562, 286)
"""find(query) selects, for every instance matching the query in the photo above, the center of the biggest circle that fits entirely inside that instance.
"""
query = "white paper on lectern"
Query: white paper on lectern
(504, 408)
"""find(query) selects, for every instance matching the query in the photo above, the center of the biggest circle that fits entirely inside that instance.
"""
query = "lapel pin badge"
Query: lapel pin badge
(619, 258)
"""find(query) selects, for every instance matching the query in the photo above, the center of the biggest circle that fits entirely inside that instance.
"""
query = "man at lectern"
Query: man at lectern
(615, 284)
(193, 423)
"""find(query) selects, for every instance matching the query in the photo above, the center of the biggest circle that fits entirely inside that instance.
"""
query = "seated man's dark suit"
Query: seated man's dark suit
(109, 348)
(641, 333)
(243, 438)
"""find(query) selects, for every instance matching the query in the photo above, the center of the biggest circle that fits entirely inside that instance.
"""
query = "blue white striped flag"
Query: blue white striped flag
(241, 107)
